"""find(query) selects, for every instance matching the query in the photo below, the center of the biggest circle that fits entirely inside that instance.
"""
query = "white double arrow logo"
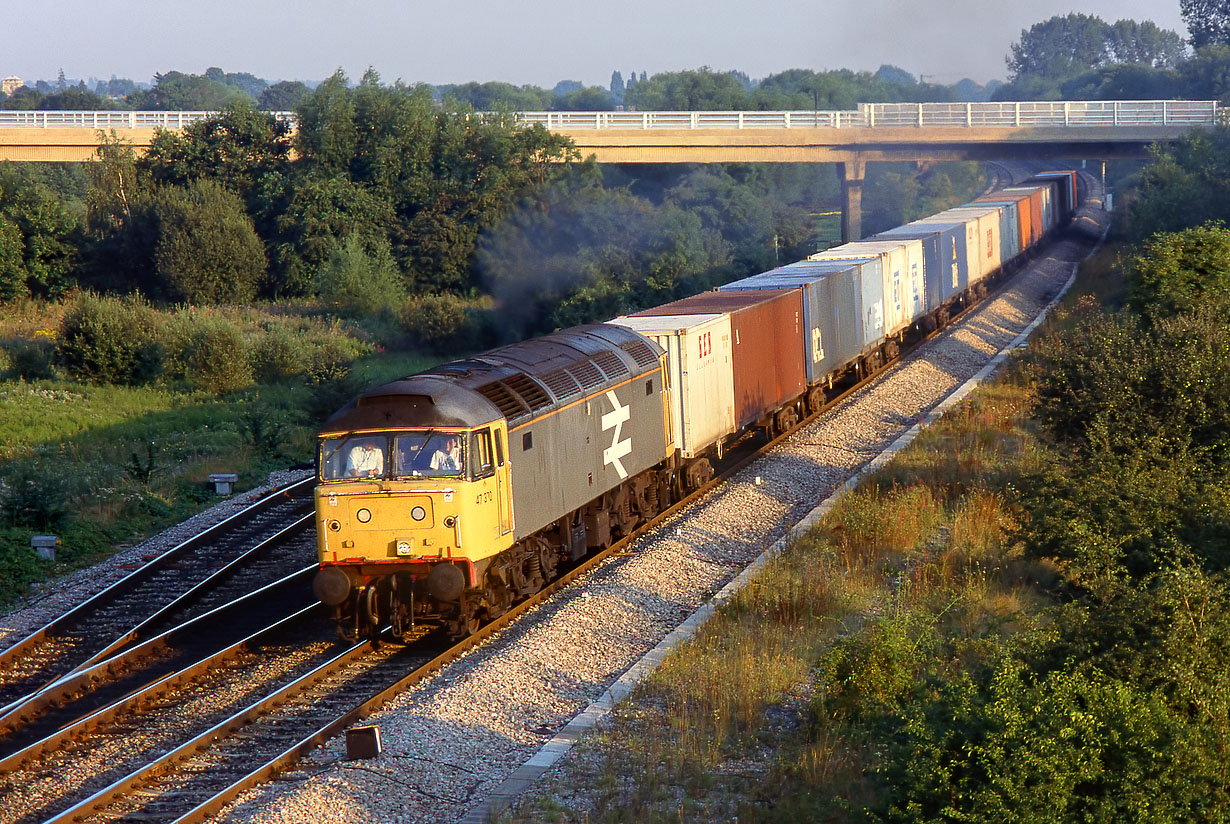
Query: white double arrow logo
(618, 449)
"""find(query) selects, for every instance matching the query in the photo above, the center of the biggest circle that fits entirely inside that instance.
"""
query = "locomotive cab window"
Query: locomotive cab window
(429, 454)
(356, 456)
(499, 448)
(482, 463)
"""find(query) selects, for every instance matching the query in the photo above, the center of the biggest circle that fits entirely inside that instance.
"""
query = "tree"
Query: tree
(1208, 21)
(207, 250)
(495, 96)
(1206, 76)
(283, 96)
(360, 282)
(699, 90)
(1063, 47)
(617, 86)
(1186, 184)
(244, 150)
(318, 218)
(1060, 47)
(1145, 43)
(587, 99)
(37, 247)
(176, 91)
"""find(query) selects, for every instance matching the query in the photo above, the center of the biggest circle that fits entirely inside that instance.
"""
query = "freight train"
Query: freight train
(451, 494)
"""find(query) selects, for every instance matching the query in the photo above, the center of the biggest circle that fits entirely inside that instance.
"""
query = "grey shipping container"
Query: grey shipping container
(946, 260)
(832, 311)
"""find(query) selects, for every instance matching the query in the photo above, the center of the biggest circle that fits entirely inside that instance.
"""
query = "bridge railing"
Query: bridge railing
(1044, 113)
(108, 119)
(1178, 113)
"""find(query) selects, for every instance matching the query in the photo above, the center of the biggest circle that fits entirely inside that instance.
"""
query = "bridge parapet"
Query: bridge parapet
(1088, 113)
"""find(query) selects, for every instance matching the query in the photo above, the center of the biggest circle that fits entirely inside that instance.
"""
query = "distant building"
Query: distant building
(11, 84)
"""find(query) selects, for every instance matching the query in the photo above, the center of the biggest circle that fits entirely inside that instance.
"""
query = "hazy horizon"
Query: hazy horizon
(530, 43)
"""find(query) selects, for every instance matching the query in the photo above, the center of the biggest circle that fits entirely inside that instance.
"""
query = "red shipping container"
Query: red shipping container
(767, 346)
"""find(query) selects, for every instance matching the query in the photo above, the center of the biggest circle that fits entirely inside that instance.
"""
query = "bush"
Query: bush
(34, 495)
(361, 282)
(31, 360)
(1181, 271)
(1066, 747)
(329, 361)
(217, 359)
(442, 322)
(109, 340)
(278, 356)
(207, 249)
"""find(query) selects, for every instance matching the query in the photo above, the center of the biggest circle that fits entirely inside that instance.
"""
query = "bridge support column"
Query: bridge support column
(851, 199)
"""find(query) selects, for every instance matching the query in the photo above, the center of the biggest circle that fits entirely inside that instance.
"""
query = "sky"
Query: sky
(538, 42)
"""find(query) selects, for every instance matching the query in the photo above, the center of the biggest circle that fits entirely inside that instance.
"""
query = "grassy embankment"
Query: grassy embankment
(105, 466)
(777, 710)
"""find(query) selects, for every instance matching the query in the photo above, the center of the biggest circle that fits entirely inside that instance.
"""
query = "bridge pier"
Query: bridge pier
(851, 172)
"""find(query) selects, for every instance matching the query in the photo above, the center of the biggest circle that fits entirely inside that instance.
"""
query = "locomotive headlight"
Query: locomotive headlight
(450, 521)
(335, 526)
(418, 513)
(364, 515)
(404, 547)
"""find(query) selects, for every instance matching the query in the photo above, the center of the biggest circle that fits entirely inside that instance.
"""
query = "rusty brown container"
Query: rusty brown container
(766, 329)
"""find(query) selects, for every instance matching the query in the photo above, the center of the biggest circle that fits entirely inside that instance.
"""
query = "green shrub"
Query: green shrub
(34, 494)
(31, 360)
(278, 355)
(19, 565)
(207, 249)
(218, 357)
(329, 361)
(360, 281)
(442, 322)
(110, 340)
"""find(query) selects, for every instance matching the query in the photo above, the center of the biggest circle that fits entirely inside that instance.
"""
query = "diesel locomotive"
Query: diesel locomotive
(451, 494)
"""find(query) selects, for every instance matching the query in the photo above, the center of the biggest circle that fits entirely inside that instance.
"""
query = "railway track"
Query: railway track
(189, 579)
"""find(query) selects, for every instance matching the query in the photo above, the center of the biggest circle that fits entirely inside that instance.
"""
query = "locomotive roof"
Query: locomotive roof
(518, 382)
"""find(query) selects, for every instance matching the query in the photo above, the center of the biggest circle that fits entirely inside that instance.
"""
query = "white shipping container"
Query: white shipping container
(700, 375)
(981, 238)
(902, 266)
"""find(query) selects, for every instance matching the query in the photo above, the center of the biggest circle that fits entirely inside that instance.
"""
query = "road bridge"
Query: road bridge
(1048, 130)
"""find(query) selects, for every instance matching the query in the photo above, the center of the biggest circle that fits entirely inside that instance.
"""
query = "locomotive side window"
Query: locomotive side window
(481, 462)
(648, 387)
(499, 448)
(527, 441)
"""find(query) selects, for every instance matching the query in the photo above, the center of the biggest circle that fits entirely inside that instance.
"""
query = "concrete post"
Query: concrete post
(851, 199)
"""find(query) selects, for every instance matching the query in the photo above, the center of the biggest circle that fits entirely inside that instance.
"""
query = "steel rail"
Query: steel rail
(135, 634)
(156, 688)
(138, 576)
